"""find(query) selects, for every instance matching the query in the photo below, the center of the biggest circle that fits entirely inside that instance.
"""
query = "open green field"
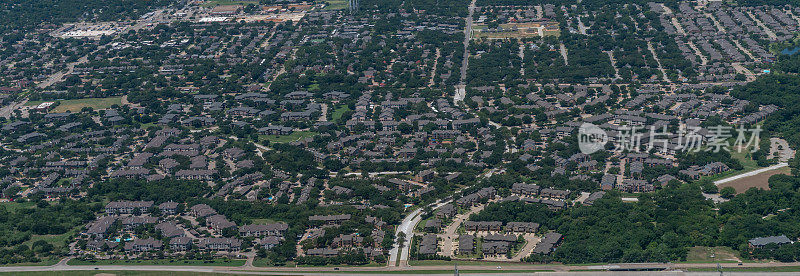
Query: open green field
(297, 135)
(336, 4)
(55, 240)
(160, 262)
(336, 115)
(147, 125)
(264, 262)
(744, 158)
(78, 104)
(14, 206)
(748, 164)
(703, 254)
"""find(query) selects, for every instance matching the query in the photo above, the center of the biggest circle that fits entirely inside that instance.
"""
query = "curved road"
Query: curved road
(406, 227)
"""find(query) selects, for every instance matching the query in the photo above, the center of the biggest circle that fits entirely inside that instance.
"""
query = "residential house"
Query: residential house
(263, 230)
(143, 245)
(220, 244)
(761, 242)
(127, 207)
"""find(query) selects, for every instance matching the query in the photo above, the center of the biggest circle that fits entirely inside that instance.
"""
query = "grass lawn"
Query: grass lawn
(702, 254)
(78, 104)
(14, 206)
(337, 114)
(420, 227)
(748, 164)
(336, 4)
(716, 177)
(744, 158)
(370, 264)
(160, 262)
(262, 262)
(297, 135)
(45, 262)
(55, 240)
(147, 125)
(627, 194)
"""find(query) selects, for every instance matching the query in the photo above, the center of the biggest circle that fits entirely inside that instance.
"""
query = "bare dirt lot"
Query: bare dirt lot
(758, 181)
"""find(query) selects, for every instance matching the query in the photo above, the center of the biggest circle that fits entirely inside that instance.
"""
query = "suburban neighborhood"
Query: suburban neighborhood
(374, 136)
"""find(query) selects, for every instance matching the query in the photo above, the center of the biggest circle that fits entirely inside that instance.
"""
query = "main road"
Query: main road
(410, 222)
(509, 269)
(406, 227)
(461, 88)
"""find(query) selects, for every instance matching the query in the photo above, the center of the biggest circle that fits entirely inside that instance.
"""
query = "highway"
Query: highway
(523, 269)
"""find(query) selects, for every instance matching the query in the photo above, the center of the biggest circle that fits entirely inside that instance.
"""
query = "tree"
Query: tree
(708, 186)
(727, 192)
(401, 238)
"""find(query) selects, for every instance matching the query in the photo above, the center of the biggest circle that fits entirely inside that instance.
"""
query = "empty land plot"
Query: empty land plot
(703, 254)
(337, 114)
(297, 135)
(336, 4)
(760, 181)
(78, 104)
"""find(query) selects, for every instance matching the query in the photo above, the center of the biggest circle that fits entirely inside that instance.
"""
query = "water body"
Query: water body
(791, 51)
